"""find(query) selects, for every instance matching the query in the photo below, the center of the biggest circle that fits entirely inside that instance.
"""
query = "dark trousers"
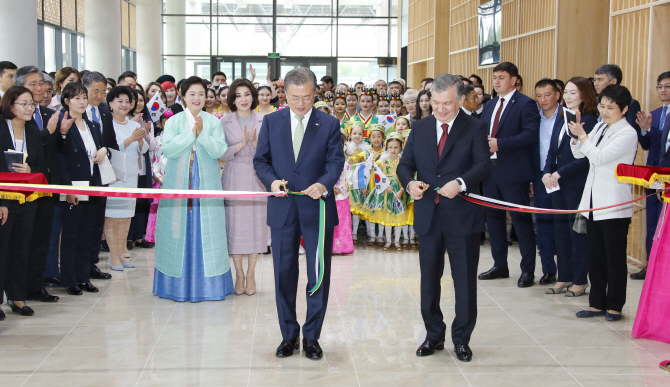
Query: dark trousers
(545, 228)
(654, 208)
(75, 249)
(608, 271)
(14, 250)
(98, 228)
(285, 242)
(463, 254)
(571, 247)
(39, 242)
(517, 193)
(52, 269)
(138, 223)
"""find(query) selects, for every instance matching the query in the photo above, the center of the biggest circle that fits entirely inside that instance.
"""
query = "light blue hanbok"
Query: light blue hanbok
(191, 259)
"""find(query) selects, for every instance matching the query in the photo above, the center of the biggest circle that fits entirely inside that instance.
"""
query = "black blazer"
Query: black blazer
(108, 138)
(518, 133)
(73, 159)
(49, 143)
(465, 155)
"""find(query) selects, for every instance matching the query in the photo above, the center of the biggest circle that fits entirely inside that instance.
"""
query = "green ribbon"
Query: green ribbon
(320, 260)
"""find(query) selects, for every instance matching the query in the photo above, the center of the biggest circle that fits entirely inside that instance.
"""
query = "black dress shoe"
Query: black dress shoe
(144, 244)
(25, 311)
(48, 281)
(463, 352)
(268, 252)
(547, 279)
(88, 287)
(104, 246)
(642, 274)
(526, 280)
(75, 291)
(312, 349)
(429, 347)
(42, 296)
(287, 347)
(494, 273)
(97, 274)
(613, 316)
(130, 245)
(2, 315)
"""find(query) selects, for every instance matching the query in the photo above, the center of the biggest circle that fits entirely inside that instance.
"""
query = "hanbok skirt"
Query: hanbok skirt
(193, 285)
(343, 242)
(150, 235)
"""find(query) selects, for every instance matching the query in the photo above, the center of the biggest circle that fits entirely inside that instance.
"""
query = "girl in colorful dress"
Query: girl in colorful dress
(212, 105)
(395, 104)
(340, 108)
(343, 237)
(281, 93)
(352, 103)
(403, 126)
(265, 95)
(323, 106)
(355, 152)
(223, 95)
(389, 208)
(377, 140)
(158, 163)
(366, 115)
(383, 105)
(329, 97)
(423, 108)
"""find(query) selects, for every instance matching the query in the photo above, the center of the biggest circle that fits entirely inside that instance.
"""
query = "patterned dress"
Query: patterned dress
(357, 198)
(383, 208)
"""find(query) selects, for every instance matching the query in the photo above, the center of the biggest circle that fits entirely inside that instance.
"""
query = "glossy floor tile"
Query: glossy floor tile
(125, 336)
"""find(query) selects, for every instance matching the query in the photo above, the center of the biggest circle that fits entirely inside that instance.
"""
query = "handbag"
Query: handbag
(580, 224)
(107, 174)
(119, 164)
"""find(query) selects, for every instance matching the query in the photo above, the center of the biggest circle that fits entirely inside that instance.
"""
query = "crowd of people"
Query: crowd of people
(557, 150)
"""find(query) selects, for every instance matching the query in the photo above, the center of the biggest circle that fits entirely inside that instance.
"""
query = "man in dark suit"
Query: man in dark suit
(514, 126)
(47, 123)
(611, 74)
(448, 151)
(99, 112)
(650, 135)
(303, 146)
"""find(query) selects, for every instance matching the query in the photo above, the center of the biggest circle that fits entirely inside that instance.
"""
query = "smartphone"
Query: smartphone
(571, 117)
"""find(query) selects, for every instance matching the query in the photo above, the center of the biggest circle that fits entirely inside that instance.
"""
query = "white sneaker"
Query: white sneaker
(301, 251)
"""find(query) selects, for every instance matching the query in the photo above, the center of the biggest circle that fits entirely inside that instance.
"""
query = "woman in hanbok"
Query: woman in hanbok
(191, 260)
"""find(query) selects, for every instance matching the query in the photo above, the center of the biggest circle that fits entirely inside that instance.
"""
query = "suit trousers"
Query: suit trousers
(98, 229)
(518, 193)
(75, 248)
(545, 227)
(285, 248)
(571, 247)
(39, 242)
(608, 271)
(463, 252)
(654, 208)
(15, 249)
(52, 269)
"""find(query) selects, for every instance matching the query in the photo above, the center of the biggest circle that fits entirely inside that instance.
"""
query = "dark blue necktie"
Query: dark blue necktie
(94, 116)
(38, 119)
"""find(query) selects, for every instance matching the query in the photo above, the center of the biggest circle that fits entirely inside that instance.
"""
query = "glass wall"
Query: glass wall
(358, 31)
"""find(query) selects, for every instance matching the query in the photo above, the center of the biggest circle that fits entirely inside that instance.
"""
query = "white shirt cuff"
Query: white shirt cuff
(462, 185)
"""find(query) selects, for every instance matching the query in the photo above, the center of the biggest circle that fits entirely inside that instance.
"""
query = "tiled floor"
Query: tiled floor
(124, 336)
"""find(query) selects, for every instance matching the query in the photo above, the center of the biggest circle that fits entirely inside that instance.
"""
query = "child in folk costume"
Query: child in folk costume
(403, 126)
(355, 152)
(343, 242)
(340, 110)
(366, 115)
(389, 208)
(323, 106)
(377, 140)
(329, 97)
(352, 103)
(158, 162)
(395, 104)
(383, 105)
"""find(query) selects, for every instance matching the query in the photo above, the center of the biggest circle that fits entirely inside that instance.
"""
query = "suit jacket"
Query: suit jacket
(321, 160)
(108, 138)
(560, 159)
(651, 141)
(631, 114)
(50, 143)
(664, 157)
(465, 155)
(518, 131)
(618, 146)
(73, 159)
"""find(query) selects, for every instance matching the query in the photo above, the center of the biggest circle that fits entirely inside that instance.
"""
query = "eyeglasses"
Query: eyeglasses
(661, 87)
(306, 99)
(27, 106)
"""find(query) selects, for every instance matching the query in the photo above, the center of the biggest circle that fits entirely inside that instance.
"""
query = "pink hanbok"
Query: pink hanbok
(158, 162)
(343, 242)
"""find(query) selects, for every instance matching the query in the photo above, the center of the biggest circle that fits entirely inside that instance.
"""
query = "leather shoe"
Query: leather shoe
(104, 246)
(144, 244)
(2, 315)
(287, 347)
(613, 316)
(25, 311)
(42, 296)
(429, 347)
(526, 280)
(642, 274)
(548, 278)
(463, 352)
(312, 349)
(589, 313)
(48, 281)
(97, 274)
(130, 245)
(494, 272)
(75, 291)
(88, 287)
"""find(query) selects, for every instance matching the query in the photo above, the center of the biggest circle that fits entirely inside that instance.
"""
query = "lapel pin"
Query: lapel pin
(317, 124)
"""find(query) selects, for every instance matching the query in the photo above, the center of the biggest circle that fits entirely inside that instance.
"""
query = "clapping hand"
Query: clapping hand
(253, 137)
(53, 123)
(644, 120)
(137, 118)
(137, 135)
(65, 124)
(197, 128)
(576, 127)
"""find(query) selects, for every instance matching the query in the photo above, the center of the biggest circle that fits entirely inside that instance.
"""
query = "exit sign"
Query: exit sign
(273, 55)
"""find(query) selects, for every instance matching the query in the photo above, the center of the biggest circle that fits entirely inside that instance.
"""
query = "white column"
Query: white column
(175, 39)
(103, 37)
(149, 31)
(18, 28)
